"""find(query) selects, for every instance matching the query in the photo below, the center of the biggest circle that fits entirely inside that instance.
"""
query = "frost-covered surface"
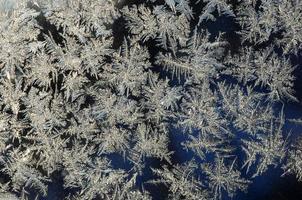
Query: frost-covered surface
(92, 91)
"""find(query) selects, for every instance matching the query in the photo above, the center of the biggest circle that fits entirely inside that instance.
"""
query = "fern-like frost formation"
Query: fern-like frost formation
(92, 93)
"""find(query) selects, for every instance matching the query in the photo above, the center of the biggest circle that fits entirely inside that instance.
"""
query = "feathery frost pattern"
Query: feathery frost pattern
(93, 94)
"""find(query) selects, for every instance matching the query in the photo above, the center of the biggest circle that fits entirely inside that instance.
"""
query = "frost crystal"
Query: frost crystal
(102, 98)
